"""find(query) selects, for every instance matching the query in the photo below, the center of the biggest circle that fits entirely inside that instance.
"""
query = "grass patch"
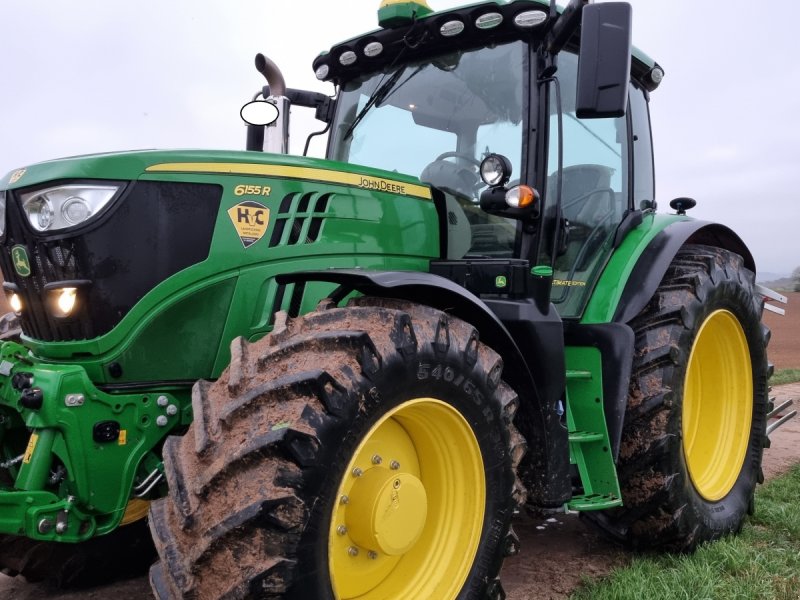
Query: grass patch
(762, 563)
(782, 376)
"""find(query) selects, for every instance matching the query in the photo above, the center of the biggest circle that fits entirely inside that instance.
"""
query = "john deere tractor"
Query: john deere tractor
(342, 378)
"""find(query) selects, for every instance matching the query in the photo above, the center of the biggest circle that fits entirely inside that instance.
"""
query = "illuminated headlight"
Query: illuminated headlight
(2, 212)
(63, 297)
(495, 170)
(65, 205)
(12, 297)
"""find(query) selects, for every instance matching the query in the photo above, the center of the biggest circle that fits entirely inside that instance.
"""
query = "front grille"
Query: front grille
(153, 231)
(300, 219)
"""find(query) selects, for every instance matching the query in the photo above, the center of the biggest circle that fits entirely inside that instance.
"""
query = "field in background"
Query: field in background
(784, 347)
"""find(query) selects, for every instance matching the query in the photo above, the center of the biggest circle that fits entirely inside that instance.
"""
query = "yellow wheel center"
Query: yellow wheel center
(387, 511)
(717, 405)
(408, 514)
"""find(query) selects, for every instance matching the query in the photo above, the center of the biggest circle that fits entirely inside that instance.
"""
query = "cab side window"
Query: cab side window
(643, 179)
(594, 191)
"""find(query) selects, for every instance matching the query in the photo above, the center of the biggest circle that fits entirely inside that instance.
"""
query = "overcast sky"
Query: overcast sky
(95, 75)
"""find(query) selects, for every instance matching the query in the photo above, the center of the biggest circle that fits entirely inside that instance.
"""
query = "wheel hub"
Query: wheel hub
(387, 511)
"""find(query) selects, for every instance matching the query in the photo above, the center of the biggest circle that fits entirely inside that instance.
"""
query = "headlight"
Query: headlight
(2, 212)
(65, 206)
(495, 170)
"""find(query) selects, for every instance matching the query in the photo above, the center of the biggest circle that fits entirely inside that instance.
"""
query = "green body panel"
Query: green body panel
(589, 445)
(608, 291)
(362, 228)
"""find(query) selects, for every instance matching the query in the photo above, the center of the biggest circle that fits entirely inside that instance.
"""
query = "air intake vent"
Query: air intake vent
(300, 219)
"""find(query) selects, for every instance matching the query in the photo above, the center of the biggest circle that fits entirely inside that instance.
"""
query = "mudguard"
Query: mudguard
(652, 264)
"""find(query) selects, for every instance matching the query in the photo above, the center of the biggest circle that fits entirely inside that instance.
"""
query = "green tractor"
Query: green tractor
(342, 378)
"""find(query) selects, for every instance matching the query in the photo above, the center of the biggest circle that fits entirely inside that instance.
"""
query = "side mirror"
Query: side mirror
(604, 63)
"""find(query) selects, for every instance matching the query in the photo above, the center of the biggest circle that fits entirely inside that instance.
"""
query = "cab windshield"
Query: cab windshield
(437, 119)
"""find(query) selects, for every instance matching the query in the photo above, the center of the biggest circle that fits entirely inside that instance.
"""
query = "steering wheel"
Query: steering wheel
(461, 155)
(459, 180)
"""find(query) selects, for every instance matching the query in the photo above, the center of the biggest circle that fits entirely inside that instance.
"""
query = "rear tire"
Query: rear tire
(313, 435)
(695, 427)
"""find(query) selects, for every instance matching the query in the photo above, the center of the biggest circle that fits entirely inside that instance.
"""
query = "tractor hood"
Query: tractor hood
(128, 166)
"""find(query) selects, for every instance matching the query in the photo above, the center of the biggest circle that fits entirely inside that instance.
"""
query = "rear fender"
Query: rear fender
(652, 264)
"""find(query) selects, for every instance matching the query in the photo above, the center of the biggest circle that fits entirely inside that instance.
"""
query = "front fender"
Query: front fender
(549, 452)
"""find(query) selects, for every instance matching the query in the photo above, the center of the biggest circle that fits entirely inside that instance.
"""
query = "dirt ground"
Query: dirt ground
(557, 551)
(784, 347)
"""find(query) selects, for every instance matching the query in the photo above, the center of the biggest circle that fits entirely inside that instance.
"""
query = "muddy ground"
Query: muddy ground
(556, 552)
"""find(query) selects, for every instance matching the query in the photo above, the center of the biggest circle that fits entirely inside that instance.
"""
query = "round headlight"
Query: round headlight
(40, 212)
(322, 72)
(495, 170)
(75, 210)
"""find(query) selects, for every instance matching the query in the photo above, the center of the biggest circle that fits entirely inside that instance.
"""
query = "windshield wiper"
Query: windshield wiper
(377, 96)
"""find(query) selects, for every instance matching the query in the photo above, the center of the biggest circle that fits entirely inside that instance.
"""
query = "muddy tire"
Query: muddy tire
(695, 427)
(315, 434)
(124, 553)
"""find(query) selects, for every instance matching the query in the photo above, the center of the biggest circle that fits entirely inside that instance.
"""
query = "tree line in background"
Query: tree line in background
(796, 279)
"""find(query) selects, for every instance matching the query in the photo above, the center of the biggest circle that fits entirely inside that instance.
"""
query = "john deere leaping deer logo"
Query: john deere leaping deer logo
(19, 256)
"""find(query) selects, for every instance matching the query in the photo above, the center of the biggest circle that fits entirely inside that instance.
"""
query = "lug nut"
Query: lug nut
(172, 410)
(397, 484)
(352, 551)
(372, 554)
(357, 472)
(162, 401)
(162, 421)
(341, 530)
(344, 499)
(376, 460)
(394, 465)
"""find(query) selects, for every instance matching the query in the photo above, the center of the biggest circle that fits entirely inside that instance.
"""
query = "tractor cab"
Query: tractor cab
(435, 94)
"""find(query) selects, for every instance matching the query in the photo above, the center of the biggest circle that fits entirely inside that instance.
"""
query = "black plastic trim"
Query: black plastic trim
(655, 260)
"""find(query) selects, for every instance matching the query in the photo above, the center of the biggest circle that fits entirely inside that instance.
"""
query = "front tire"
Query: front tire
(695, 427)
(360, 452)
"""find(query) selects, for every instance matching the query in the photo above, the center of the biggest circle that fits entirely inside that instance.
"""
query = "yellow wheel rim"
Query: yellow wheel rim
(409, 510)
(717, 405)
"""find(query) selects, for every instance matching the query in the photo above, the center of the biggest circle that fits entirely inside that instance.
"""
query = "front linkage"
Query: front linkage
(76, 461)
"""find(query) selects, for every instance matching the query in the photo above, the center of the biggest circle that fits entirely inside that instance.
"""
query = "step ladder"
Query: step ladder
(589, 445)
